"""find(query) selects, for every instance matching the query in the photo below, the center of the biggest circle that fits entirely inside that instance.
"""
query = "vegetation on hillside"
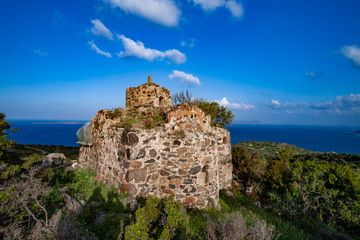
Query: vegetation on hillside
(71, 204)
(281, 192)
(319, 190)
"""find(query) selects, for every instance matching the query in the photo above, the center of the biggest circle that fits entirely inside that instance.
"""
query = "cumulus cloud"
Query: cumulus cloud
(347, 104)
(236, 106)
(137, 49)
(185, 77)
(99, 29)
(352, 52)
(275, 102)
(164, 12)
(233, 6)
(40, 52)
(98, 50)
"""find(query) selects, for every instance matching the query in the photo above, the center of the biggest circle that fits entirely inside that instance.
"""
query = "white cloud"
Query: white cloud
(137, 49)
(275, 102)
(40, 52)
(352, 52)
(233, 6)
(185, 77)
(98, 50)
(99, 29)
(209, 4)
(164, 12)
(236, 106)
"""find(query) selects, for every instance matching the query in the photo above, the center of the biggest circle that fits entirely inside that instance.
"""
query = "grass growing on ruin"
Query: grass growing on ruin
(135, 118)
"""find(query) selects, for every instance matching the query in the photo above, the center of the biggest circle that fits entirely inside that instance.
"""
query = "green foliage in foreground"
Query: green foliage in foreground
(104, 213)
(302, 186)
(158, 220)
(4, 142)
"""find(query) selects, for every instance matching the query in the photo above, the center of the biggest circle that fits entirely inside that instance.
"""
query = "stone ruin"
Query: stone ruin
(154, 148)
(148, 95)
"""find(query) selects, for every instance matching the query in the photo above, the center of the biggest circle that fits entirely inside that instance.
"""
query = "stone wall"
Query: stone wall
(190, 164)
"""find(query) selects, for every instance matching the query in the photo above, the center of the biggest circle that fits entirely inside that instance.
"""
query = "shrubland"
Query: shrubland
(320, 191)
(279, 192)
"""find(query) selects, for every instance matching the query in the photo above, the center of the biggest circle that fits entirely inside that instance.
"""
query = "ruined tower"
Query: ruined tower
(182, 155)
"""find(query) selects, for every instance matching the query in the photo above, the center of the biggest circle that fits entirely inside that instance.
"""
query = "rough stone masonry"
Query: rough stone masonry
(183, 156)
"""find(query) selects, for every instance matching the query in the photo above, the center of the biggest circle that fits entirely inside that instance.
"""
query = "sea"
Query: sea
(340, 139)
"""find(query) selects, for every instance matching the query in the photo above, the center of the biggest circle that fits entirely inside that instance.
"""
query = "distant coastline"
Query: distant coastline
(340, 139)
(63, 122)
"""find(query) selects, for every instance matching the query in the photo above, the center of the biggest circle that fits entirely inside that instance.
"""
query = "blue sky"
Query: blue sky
(271, 62)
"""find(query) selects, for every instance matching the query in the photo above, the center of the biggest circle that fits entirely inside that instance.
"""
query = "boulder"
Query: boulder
(53, 159)
(72, 205)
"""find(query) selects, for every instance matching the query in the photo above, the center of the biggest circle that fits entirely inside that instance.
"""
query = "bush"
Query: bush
(220, 115)
(4, 142)
(260, 230)
(231, 227)
(158, 219)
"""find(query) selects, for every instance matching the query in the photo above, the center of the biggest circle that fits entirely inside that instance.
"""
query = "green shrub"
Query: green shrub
(196, 224)
(10, 171)
(220, 115)
(158, 219)
(31, 160)
(114, 114)
(4, 142)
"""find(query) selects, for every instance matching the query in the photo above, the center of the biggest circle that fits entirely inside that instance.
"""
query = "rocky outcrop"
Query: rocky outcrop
(185, 157)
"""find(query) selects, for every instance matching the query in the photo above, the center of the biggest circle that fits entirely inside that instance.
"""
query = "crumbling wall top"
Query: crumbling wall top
(189, 117)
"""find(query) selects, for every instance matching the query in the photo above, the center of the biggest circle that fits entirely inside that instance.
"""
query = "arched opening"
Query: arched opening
(161, 101)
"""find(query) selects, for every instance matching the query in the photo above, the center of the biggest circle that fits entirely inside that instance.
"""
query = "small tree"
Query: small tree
(182, 98)
(4, 142)
(220, 115)
(22, 206)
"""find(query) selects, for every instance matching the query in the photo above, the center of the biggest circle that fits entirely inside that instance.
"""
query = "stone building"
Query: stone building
(182, 156)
